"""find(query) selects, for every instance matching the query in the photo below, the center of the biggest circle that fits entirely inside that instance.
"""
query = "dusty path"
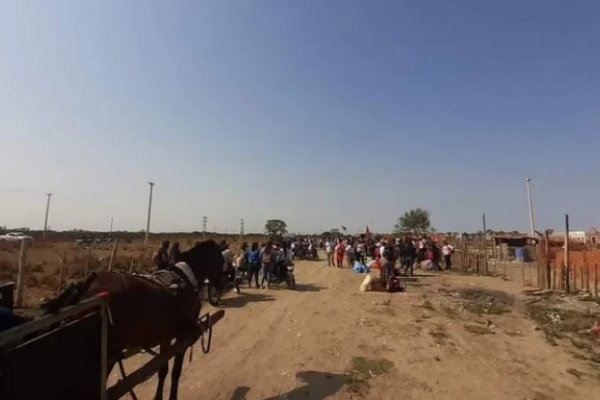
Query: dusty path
(282, 344)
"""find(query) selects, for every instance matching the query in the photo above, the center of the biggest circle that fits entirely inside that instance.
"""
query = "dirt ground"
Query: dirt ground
(448, 336)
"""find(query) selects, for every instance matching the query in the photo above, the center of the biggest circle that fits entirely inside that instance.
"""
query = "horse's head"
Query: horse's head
(206, 260)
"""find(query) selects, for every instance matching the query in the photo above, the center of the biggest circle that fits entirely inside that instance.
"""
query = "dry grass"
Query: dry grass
(439, 333)
(559, 321)
(362, 370)
(481, 301)
(576, 373)
(428, 305)
(450, 311)
(478, 329)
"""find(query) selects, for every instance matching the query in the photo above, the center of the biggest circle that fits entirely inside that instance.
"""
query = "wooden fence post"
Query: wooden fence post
(596, 280)
(582, 272)
(549, 270)
(574, 270)
(567, 268)
(465, 255)
(553, 282)
(60, 273)
(587, 278)
(87, 262)
(523, 273)
(539, 269)
(131, 264)
(113, 255)
(21, 274)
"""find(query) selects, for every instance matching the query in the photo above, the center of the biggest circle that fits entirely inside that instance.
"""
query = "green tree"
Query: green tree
(416, 221)
(275, 228)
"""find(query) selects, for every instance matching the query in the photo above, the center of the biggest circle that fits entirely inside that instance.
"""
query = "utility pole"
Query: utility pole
(149, 213)
(485, 245)
(241, 233)
(111, 224)
(204, 222)
(567, 267)
(47, 212)
(531, 216)
(484, 228)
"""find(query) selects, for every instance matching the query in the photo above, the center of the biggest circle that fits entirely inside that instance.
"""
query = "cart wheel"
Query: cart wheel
(291, 281)
(214, 295)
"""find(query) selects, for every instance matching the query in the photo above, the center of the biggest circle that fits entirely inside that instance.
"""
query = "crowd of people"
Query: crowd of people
(404, 253)
(255, 261)
(261, 263)
(267, 260)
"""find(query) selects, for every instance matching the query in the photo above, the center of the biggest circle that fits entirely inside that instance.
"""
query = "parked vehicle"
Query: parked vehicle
(284, 272)
(15, 236)
(215, 292)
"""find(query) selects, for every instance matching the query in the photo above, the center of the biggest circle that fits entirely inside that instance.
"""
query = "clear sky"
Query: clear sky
(321, 113)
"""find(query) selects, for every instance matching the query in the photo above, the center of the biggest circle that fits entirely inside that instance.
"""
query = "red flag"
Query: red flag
(367, 233)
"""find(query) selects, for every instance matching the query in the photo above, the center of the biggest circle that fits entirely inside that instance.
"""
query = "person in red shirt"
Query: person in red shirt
(339, 254)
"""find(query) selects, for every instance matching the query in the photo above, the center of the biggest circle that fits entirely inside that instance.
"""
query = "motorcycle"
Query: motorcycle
(284, 271)
(231, 281)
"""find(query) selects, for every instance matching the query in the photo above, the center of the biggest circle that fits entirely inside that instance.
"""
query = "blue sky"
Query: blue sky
(321, 113)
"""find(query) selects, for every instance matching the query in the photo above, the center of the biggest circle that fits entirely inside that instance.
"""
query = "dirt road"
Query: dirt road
(328, 340)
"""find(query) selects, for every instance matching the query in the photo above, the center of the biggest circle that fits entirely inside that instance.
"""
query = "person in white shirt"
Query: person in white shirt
(329, 251)
(350, 255)
(447, 251)
(227, 257)
(360, 252)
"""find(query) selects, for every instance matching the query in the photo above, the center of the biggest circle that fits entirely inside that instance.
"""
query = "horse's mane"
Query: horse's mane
(200, 250)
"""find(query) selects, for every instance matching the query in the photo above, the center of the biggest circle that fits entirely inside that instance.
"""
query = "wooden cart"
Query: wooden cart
(63, 356)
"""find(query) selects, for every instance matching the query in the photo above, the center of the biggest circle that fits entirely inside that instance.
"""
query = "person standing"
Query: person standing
(267, 258)
(293, 250)
(360, 252)
(409, 255)
(350, 255)
(433, 255)
(339, 254)
(242, 259)
(227, 256)
(161, 257)
(282, 260)
(387, 268)
(329, 251)
(174, 254)
(253, 256)
(447, 251)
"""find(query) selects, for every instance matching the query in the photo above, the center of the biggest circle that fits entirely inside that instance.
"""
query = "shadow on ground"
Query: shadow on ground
(300, 287)
(316, 386)
(307, 287)
(240, 300)
(240, 393)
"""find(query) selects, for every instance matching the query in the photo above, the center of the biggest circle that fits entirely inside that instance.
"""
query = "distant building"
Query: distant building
(515, 245)
(590, 237)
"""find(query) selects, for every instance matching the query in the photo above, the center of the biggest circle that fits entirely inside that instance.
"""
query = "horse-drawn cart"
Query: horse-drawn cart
(64, 355)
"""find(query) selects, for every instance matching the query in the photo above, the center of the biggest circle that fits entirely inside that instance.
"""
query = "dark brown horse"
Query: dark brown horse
(146, 314)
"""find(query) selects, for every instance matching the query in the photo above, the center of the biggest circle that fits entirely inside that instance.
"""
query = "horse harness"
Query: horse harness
(175, 278)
